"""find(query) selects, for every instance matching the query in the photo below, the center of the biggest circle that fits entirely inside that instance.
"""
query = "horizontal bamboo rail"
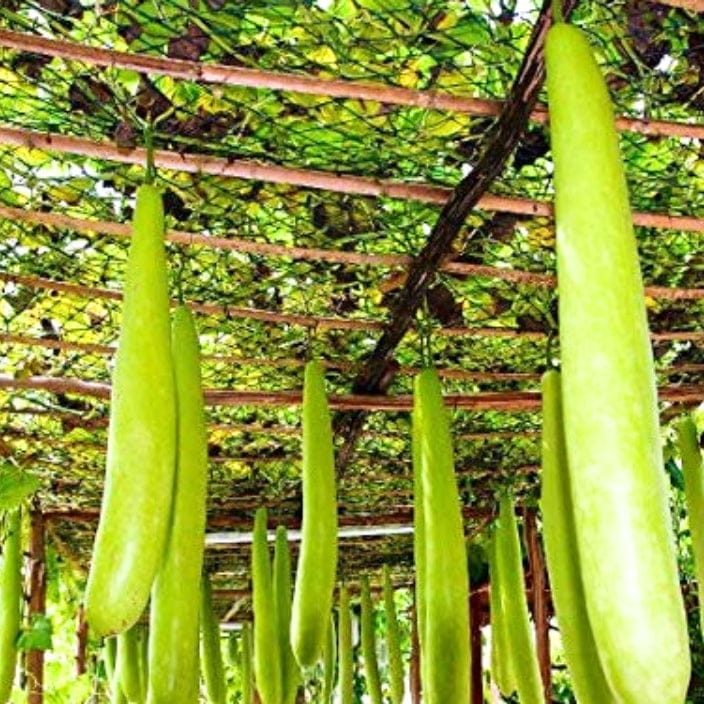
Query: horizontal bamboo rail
(328, 87)
(304, 178)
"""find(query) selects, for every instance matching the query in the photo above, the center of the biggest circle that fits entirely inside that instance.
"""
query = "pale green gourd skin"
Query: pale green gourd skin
(500, 664)
(693, 471)
(562, 555)
(11, 602)
(290, 672)
(329, 659)
(267, 649)
(173, 643)
(110, 656)
(393, 641)
(246, 665)
(520, 646)
(346, 656)
(371, 665)
(317, 561)
(418, 541)
(141, 454)
(128, 665)
(210, 651)
(622, 521)
(445, 607)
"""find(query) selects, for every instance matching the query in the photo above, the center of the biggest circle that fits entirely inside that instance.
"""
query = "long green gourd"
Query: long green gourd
(290, 672)
(693, 470)
(418, 541)
(109, 658)
(317, 561)
(128, 665)
(619, 492)
(393, 641)
(371, 665)
(173, 642)
(500, 663)
(267, 647)
(11, 602)
(246, 665)
(143, 650)
(523, 660)
(329, 660)
(446, 589)
(344, 648)
(211, 662)
(136, 506)
(562, 554)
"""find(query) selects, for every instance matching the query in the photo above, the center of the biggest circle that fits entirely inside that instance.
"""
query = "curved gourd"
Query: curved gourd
(141, 454)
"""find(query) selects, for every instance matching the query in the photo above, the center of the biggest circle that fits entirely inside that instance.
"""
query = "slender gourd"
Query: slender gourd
(329, 660)
(267, 647)
(11, 602)
(246, 665)
(136, 506)
(344, 647)
(523, 659)
(173, 642)
(290, 672)
(127, 663)
(317, 561)
(419, 543)
(393, 641)
(693, 470)
(233, 650)
(622, 522)
(109, 659)
(143, 651)
(562, 555)
(500, 664)
(446, 589)
(371, 666)
(210, 650)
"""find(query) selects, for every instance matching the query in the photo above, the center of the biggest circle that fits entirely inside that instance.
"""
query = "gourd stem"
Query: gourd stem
(557, 14)
(149, 146)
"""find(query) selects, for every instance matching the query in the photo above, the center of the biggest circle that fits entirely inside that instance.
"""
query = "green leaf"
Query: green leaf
(16, 485)
(38, 635)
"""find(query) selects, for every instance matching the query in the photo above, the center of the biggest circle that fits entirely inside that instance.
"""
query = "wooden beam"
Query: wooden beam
(509, 401)
(37, 602)
(476, 607)
(309, 85)
(539, 599)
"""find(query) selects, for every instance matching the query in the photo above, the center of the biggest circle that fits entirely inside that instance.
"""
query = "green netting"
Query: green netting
(653, 56)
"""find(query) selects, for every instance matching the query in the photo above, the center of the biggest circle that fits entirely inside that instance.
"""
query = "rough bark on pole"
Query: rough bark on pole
(539, 599)
(81, 641)
(476, 684)
(415, 660)
(37, 603)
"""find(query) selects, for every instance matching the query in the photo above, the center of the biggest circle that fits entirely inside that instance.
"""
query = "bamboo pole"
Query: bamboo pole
(476, 615)
(305, 178)
(539, 599)
(37, 603)
(324, 87)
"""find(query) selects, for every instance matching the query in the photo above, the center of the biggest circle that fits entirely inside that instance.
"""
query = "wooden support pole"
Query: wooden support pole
(475, 614)
(81, 641)
(539, 599)
(415, 658)
(37, 603)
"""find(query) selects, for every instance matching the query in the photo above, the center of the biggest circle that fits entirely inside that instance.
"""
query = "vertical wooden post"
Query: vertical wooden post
(475, 616)
(81, 641)
(539, 600)
(37, 603)
(415, 658)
